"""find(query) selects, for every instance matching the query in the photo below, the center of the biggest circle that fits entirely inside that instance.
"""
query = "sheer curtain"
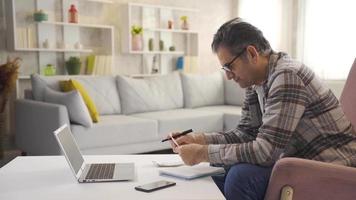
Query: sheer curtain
(320, 33)
(275, 18)
(328, 45)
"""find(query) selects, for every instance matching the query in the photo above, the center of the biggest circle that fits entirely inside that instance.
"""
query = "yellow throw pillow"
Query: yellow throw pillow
(70, 85)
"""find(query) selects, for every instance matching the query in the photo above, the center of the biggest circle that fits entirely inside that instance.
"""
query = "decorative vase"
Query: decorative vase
(49, 70)
(78, 45)
(46, 44)
(185, 25)
(170, 24)
(40, 16)
(161, 45)
(150, 44)
(73, 14)
(136, 43)
(172, 48)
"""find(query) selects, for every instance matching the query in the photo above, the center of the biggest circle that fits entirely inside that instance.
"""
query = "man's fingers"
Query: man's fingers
(180, 140)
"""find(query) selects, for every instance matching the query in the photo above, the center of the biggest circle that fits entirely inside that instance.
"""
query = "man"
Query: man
(287, 112)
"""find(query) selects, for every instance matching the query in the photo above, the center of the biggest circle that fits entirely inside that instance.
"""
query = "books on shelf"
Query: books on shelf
(99, 65)
(25, 37)
(188, 64)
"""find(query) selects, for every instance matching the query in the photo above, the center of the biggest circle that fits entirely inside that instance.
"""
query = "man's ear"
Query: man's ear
(252, 54)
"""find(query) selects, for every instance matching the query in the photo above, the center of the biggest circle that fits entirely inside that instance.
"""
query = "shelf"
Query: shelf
(101, 1)
(144, 75)
(158, 52)
(55, 50)
(171, 30)
(26, 77)
(76, 24)
(164, 7)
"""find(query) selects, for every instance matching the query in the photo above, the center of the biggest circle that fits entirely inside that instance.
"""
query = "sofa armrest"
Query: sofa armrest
(35, 122)
(312, 180)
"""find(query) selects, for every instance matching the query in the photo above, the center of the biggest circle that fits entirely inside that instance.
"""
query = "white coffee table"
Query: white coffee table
(49, 177)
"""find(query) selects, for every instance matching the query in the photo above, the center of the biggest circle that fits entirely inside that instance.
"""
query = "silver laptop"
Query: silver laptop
(91, 172)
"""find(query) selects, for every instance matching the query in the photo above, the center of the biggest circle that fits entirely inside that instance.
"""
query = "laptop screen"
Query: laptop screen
(69, 147)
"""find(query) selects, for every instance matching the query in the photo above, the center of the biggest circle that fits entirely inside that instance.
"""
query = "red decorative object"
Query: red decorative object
(73, 14)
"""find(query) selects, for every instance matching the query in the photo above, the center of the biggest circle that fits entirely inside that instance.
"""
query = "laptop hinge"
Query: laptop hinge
(79, 174)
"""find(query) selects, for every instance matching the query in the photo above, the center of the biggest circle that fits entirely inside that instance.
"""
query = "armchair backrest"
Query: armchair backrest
(348, 96)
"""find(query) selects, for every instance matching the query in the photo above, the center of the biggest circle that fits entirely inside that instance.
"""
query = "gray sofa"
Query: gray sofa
(135, 114)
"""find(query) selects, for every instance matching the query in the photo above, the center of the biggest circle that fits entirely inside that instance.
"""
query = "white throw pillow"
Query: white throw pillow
(203, 90)
(77, 110)
(103, 90)
(150, 94)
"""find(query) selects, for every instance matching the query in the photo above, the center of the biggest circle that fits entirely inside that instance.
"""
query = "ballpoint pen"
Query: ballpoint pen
(179, 135)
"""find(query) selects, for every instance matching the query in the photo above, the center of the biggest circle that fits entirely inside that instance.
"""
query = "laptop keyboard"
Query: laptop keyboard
(101, 171)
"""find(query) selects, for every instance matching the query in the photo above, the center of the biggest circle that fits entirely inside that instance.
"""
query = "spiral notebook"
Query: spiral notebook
(192, 172)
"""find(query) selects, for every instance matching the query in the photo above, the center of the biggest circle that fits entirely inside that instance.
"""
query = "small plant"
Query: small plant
(73, 60)
(136, 30)
(73, 65)
(184, 18)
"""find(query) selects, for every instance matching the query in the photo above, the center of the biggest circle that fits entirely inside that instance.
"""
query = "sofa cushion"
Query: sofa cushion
(203, 90)
(104, 92)
(114, 130)
(232, 114)
(234, 94)
(39, 84)
(150, 94)
(77, 110)
(70, 85)
(183, 119)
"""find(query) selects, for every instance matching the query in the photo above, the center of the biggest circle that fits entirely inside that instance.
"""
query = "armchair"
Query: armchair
(301, 179)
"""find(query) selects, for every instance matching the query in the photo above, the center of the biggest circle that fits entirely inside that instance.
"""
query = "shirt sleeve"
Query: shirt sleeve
(246, 129)
(284, 108)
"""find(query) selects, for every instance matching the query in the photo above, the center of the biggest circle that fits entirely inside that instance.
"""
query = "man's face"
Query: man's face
(240, 70)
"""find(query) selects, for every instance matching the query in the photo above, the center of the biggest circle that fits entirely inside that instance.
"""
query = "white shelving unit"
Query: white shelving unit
(158, 52)
(62, 36)
(77, 25)
(101, 1)
(154, 21)
(55, 50)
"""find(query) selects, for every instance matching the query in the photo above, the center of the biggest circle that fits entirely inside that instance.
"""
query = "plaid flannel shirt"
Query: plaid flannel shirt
(301, 118)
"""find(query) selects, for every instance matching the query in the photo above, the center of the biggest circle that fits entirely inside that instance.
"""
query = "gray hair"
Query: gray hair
(237, 35)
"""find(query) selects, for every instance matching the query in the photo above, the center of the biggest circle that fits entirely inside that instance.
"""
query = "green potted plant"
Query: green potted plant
(136, 32)
(73, 65)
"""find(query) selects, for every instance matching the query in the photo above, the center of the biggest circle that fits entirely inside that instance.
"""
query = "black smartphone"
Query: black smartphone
(150, 187)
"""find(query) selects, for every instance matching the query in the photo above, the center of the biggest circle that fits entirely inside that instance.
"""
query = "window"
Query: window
(320, 33)
(266, 16)
(329, 43)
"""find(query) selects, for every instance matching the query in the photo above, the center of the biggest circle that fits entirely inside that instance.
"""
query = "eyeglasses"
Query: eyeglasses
(227, 66)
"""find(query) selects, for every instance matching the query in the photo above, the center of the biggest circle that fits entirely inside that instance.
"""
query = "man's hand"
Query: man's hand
(192, 138)
(193, 154)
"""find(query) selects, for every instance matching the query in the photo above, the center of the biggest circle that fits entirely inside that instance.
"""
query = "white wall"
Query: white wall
(336, 86)
(212, 14)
